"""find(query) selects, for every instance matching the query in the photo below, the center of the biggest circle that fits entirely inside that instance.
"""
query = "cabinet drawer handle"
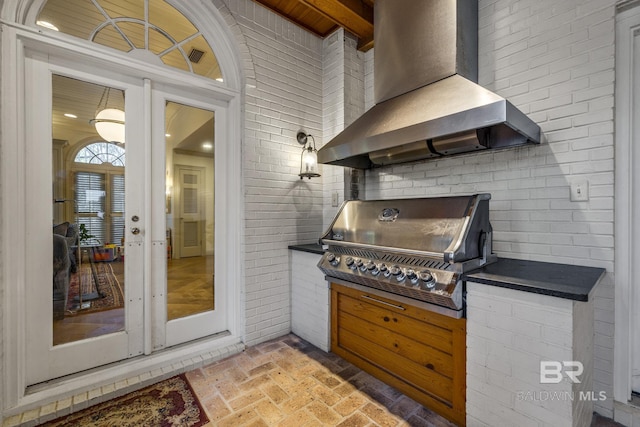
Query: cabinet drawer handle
(399, 307)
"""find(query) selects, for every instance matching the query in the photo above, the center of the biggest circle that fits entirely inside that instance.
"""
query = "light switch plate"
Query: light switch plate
(334, 199)
(580, 191)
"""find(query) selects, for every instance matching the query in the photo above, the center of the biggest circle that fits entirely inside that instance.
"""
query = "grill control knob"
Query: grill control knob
(333, 260)
(349, 263)
(358, 262)
(384, 270)
(411, 275)
(401, 276)
(394, 270)
(427, 279)
(372, 268)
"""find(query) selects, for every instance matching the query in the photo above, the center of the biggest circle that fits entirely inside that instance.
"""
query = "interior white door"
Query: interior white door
(190, 192)
(44, 358)
(190, 303)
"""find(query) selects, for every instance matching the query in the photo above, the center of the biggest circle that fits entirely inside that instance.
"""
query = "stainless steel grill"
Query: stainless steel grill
(417, 248)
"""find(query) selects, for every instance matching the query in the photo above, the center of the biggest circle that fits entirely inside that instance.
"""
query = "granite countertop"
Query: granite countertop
(313, 248)
(558, 280)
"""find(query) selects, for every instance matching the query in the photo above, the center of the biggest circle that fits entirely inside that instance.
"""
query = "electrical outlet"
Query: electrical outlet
(580, 191)
(334, 199)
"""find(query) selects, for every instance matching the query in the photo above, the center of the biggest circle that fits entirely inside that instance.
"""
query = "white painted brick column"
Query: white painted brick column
(508, 334)
(310, 298)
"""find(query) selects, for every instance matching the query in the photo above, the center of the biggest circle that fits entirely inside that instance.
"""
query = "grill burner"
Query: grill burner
(417, 248)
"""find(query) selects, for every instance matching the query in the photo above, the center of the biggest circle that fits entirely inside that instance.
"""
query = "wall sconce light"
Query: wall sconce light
(109, 121)
(309, 156)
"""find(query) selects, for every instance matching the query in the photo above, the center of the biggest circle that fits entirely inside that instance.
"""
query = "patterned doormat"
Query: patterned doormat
(171, 402)
(101, 283)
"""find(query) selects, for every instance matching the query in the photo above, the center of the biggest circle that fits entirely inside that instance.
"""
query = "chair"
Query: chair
(70, 233)
(61, 267)
(65, 245)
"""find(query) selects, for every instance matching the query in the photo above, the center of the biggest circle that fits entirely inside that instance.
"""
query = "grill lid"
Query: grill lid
(454, 229)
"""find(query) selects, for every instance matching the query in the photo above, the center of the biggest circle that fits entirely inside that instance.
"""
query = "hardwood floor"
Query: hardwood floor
(189, 291)
(189, 287)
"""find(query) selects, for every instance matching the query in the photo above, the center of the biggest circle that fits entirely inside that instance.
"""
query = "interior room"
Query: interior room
(429, 207)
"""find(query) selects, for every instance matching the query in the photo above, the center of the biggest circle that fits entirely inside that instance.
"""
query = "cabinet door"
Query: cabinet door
(419, 352)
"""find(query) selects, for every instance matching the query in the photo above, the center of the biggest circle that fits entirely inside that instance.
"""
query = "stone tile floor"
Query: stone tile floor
(288, 382)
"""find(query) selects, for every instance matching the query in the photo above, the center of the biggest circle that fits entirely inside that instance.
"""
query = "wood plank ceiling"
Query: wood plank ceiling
(322, 17)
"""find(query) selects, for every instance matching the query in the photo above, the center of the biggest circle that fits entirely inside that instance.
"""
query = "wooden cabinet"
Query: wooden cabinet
(417, 351)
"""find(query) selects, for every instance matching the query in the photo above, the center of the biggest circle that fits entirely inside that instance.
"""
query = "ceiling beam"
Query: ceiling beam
(322, 17)
(356, 16)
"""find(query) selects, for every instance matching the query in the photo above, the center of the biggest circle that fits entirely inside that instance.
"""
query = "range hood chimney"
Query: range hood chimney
(428, 103)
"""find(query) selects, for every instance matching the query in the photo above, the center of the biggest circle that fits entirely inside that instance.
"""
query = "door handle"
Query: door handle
(135, 230)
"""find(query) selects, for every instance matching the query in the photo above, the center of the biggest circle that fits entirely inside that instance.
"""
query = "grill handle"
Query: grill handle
(399, 307)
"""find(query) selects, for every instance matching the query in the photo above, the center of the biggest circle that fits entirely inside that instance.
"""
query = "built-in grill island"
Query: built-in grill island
(397, 305)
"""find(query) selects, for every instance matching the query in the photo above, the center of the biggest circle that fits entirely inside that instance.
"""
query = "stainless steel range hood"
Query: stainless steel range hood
(428, 103)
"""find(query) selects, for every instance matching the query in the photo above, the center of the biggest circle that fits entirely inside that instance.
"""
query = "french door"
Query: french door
(185, 164)
(125, 297)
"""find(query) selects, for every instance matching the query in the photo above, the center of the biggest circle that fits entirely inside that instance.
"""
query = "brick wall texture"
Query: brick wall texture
(283, 96)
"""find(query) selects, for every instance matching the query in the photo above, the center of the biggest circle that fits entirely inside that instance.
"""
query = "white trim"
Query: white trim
(627, 22)
(12, 219)
(148, 191)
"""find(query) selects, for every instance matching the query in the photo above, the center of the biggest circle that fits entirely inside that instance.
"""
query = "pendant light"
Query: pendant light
(309, 156)
(109, 121)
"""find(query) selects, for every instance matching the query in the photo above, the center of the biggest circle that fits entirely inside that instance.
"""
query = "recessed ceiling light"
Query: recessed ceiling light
(207, 145)
(71, 116)
(48, 25)
(220, 79)
(167, 135)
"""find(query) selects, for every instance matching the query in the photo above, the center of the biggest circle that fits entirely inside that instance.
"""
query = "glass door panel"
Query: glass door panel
(89, 194)
(190, 214)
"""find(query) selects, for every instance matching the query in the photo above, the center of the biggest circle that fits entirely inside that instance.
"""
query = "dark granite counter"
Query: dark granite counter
(313, 248)
(557, 280)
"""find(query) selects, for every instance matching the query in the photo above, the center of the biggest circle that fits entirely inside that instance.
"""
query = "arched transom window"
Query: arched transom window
(151, 30)
(101, 152)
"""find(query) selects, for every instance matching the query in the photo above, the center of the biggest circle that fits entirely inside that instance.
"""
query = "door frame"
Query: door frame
(13, 165)
(627, 204)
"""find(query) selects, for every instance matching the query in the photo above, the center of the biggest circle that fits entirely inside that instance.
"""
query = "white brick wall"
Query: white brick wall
(310, 297)
(554, 61)
(343, 102)
(333, 117)
(508, 334)
(283, 66)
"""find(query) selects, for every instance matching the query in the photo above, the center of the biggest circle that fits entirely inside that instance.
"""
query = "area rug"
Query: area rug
(101, 282)
(171, 402)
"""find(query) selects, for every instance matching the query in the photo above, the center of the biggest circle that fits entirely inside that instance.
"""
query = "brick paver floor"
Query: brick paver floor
(288, 382)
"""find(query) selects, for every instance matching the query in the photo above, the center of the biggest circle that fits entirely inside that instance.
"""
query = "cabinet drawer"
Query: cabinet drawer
(400, 321)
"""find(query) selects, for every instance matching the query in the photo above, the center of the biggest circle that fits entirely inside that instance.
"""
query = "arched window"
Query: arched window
(99, 191)
(153, 31)
(98, 153)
